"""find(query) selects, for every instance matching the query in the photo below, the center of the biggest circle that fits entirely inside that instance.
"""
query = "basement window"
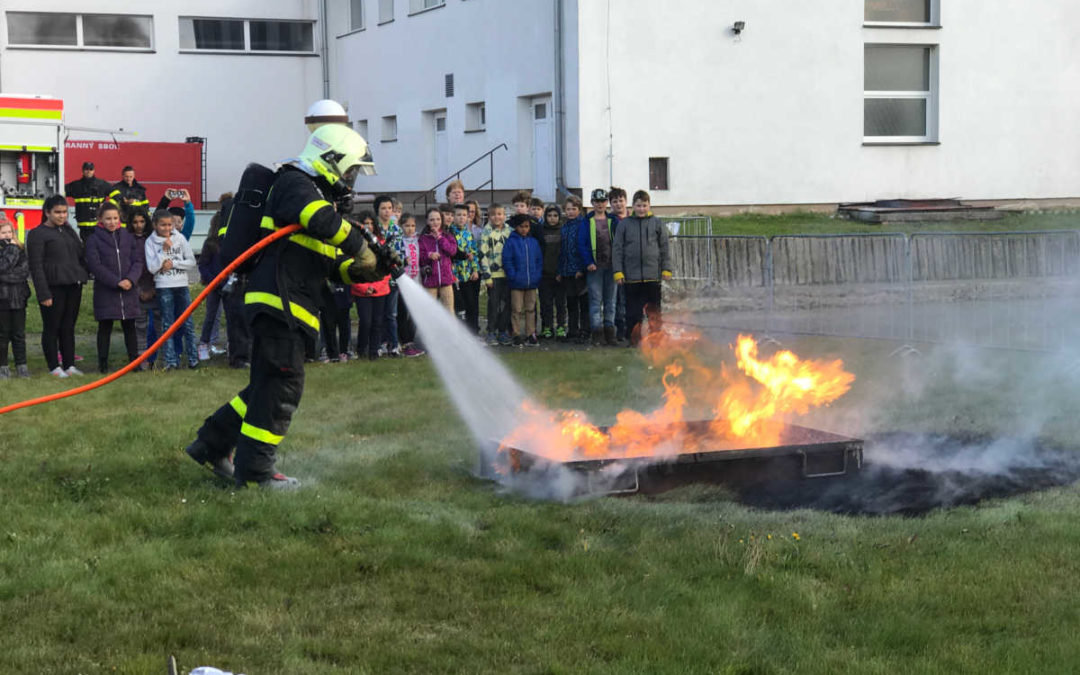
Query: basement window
(389, 129)
(658, 173)
(475, 117)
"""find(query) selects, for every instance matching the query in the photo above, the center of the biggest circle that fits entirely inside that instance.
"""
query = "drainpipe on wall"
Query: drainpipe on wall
(561, 191)
(324, 50)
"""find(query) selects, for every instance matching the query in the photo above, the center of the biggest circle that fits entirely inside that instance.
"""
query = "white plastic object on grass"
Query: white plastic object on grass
(210, 670)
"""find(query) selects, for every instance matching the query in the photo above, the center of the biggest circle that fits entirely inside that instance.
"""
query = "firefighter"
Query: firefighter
(88, 193)
(282, 300)
(128, 192)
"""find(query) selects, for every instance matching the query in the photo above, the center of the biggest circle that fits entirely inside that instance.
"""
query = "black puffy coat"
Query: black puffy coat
(56, 258)
(14, 271)
(111, 258)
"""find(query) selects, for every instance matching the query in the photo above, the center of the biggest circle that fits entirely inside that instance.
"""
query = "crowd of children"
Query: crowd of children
(589, 276)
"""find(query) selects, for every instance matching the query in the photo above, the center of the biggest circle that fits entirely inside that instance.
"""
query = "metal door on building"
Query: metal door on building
(442, 148)
(543, 149)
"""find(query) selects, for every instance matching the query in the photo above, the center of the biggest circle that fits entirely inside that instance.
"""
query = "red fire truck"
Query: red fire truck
(37, 159)
(31, 156)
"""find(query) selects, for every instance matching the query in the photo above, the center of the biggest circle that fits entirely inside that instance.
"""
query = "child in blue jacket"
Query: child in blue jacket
(524, 263)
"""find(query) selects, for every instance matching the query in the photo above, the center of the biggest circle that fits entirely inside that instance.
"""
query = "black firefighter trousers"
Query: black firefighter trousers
(255, 420)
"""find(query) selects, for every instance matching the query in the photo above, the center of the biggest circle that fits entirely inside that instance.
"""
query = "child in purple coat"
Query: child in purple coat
(437, 249)
(114, 258)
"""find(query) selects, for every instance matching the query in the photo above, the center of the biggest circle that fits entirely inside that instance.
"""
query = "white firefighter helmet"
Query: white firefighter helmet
(338, 154)
(323, 112)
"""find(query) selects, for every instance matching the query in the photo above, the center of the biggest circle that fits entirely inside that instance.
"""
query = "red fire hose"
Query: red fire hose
(263, 243)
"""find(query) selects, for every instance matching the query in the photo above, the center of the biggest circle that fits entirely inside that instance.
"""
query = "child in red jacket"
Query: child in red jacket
(370, 301)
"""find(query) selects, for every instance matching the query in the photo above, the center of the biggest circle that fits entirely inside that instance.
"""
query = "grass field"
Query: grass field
(116, 550)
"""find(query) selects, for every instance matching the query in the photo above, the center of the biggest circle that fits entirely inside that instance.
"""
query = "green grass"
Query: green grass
(823, 223)
(116, 550)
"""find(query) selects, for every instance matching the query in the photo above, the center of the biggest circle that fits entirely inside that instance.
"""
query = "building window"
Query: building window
(361, 128)
(247, 35)
(356, 14)
(389, 128)
(417, 6)
(282, 36)
(475, 117)
(448, 85)
(904, 12)
(386, 11)
(899, 104)
(212, 34)
(658, 174)
(93, 31)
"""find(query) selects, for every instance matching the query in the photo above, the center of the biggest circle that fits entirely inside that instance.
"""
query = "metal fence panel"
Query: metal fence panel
(843, 285)
(724, 280)
(1012, 290)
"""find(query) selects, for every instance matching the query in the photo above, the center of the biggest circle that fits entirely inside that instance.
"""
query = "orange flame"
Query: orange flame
(747, 404)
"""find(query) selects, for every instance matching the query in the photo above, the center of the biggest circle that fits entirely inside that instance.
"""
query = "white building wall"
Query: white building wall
(776, 115)
(250, 107)
(500, 53)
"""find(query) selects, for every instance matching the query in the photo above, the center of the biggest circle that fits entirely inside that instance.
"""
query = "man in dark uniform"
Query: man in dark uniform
(128, 192)
(88, 193)
(282, 302)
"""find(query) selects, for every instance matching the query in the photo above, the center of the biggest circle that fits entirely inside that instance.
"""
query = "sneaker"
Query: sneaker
(560, 332)
(505, 340)
(492, 339)
(533, 342)
(5, 372)
(58, 372)
(221, 466)
(518, 341)
(22, 371)
(170, 366)
(204, 351)
(217, 351)
(380, 353)
(343, 356)
(546, 334)
(412, 350)
(278, 481)
(73, 371)
(395, 353)
(192, 365)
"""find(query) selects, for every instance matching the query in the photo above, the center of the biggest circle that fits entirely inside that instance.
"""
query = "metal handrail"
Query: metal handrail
(490, 154)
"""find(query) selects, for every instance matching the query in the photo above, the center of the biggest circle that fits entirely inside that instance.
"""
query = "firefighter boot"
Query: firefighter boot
(220, 466)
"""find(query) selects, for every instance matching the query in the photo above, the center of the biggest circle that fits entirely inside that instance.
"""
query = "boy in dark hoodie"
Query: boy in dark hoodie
(571, 275)
(552, 296)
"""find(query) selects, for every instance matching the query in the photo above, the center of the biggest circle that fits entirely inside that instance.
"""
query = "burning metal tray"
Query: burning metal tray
(802, 453)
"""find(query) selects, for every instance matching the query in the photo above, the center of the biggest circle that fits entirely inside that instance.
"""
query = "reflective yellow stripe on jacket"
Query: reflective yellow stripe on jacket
(308, 242)
(260, 298)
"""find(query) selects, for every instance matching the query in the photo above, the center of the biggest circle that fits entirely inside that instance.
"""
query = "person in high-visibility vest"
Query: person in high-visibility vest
(282, 301)
(88, 193)
(128, 192)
